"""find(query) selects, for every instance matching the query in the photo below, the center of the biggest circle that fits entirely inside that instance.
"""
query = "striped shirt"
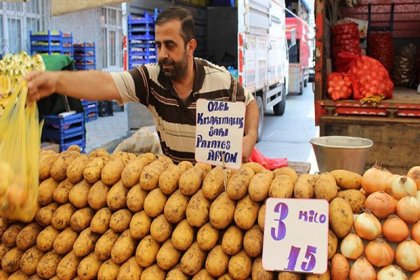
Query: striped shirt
(174, 119)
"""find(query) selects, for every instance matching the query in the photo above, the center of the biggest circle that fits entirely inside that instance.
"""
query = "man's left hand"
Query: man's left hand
(248, 144)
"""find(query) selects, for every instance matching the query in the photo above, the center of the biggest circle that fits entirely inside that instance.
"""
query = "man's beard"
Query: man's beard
(176, 70)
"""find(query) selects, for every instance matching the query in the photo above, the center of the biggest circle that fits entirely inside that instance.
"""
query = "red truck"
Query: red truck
(393, 124)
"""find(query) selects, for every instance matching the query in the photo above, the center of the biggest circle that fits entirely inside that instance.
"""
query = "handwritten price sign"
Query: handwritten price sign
(296, 235)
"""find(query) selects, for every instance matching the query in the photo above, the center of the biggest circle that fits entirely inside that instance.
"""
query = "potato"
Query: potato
(253, 242)
(108, 271)
(35, 277)
(100, 152)
(198, 210)
(176, 207)
(44, 215)
(146, 251)
(88, 267)
(29, 260)
(240, 265)
(232, 240)
(193, 259)
(217, 262)
(176, 274)
(167, 256)
(326, 187)
(260, 184)
(131, 172)
(117, 197)
(124, 156)
(214, 183)
(332, 244)
(222, 211)
(79, 193)
(45, 239)
(207, 237)
(85, 243)
(61, 193)
(169, 178)
(140, 225)
(149, 176)
(135, 198)
(185, 165)
(261, 217)
(202, 275)
(130, 270)
(61, 217)
(10, 235)
(111, 173)
(120, 220)
(153, 273)
(237, 186)
(183, 236)
(225, 276)
(355, 198)
(18, 275)
(97, 195)
(205, 167)
(3, 275)
(100, 222)
(255, 166)
(340, 217)
(246, 213)
(3, 250)
(26, 238)
(64, 241)
(160, 229)
(67, 267)
(287, 275)
(281, 187)
(190, 181)
(123, 248)
(289, 171)
(81, 219)
(47, 265)
(75, 169)
(347, 179)
(45, 164)
(3, 225)
(59, 169)
(304, 187)
(154, 203)
(11, 260)
(46, 191)
(105, 243)
(258, 272)
(324, 276)
(92, 171)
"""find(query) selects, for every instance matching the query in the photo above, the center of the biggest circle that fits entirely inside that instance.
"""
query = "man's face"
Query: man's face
(171, 49)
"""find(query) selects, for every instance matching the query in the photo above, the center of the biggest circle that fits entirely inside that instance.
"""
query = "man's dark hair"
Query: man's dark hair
(181, 14)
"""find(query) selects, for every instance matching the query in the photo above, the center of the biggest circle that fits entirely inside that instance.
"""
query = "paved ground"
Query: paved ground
(284, 137)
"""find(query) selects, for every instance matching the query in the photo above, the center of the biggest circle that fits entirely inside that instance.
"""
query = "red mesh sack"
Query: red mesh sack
(345, 45)
(381, 48)
(371, 81)
(339, 86)
(344, 60)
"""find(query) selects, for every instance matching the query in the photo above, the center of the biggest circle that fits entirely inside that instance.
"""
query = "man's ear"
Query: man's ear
(192, 44)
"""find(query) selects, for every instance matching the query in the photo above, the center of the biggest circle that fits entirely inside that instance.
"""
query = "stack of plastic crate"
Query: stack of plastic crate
(141, 40)
(65, 129)
(84, 56)
(51, 42)
(91, 110)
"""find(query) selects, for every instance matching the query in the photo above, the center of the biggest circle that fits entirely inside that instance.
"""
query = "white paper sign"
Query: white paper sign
(219, 132)
(296, 235)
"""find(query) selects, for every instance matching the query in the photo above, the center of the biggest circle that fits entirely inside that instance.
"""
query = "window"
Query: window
(112, 34)
(16, 20)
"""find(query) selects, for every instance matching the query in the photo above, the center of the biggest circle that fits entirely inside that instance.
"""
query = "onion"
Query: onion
(391, 272)
(375, 179)
(416, 275)
(367, 226)
(407, 255)
(395, 229)
(340, 267)
(415, 232)
(379, 253)
(414, 173)
(351, 246)
(418, 196)
(362, 270)
(408, 209)
(380, 204)
(401, 186)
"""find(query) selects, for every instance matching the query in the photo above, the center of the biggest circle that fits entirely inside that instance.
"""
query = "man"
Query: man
(169, 90)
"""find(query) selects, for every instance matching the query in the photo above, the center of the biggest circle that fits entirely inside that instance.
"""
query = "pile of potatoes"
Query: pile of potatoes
(126, 216)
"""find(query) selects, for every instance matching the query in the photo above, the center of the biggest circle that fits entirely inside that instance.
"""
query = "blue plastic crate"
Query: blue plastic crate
(62, 134)
(92, 117)
(60, 122)
(89, 103)
(146, 19)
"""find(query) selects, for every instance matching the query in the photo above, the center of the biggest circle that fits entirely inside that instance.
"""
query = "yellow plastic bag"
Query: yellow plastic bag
(19, 157)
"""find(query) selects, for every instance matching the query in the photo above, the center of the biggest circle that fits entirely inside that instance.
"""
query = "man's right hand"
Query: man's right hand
(41, 84)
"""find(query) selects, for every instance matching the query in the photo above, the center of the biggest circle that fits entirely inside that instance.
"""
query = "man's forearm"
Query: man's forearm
(251, 120)
(91, 85)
